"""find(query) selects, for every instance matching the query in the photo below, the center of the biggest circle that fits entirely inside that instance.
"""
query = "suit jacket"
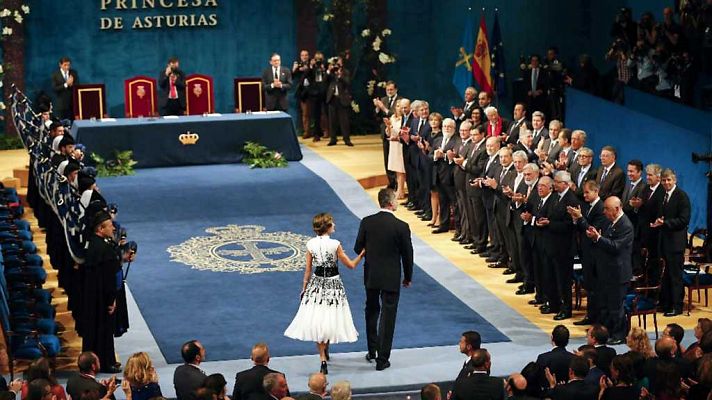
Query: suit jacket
(561, 225)
(541, 136)
(575, 171)
(575, 390)
(541, 83)
(545, 145)
(459, 174)
(63, 95)
(513, 130)
(502, 202)
(557, 360)
(648, 212)
(165, 87)
(476, 386)
(492, 172)
(590, 217)
(531, 155)
(388, 248)
(614, 251)
(78, 384)
(415, 155)
(380, 114)
(542, 236)
(276, 96)
(186, 379)
(310, 396)
(467, 112)
(444, 169)
(614, 183)
(627, 209)
(676, 214)
(605, 356)
(344, 84)
(475, 167)
(248, 383)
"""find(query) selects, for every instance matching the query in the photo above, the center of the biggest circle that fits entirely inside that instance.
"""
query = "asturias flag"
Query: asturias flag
(481, 61)
(498, 59)
(462, 78)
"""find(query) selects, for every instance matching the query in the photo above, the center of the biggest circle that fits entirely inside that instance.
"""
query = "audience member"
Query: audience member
(189, 377)
(141, 377)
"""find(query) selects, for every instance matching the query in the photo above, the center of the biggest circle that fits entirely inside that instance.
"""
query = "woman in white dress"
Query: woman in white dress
(395, 149)
(324, 315)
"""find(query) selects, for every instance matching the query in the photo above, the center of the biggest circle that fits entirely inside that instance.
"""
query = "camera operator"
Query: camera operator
(641, 57)
(619, 53)
(316, 93)
(661, 59)
(682, 73)
(171, 97)
(555, 72)
(671, 32)
(300, 70)
(624, 28)
(338, 100)
(648, 29)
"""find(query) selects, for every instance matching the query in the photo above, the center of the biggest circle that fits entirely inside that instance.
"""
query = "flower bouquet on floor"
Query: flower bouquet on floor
(258, 156)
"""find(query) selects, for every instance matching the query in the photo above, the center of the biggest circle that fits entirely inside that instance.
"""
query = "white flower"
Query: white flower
(355, 107)
(328, 17)
(7, 31)
(18, 17)
(25, 9)
(386, 32)
(370, 87)
(5, 13)
(365, 33)
(1, 83)
(381, 84)
(2, 105)
(1, 70)
(385, 58)
(277, 155)
(377, 44)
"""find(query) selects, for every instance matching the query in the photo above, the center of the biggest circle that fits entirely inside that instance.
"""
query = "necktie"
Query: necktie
(666, 198)
(604, 175)
(535, 75)
(66, 75)
(173, 92)
(551, 145)
(529, 190)
(420, 125)
(541, 204)
(589, 210)
(390, 102)
(276, 73)
(502, 174)
(651, 193)
(580, 177)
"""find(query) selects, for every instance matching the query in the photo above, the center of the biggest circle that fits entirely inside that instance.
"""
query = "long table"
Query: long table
(155, 141)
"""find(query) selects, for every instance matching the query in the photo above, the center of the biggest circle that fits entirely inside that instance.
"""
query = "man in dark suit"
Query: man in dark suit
(561, 232)
(385, 107)
(63, 80)
(470, 342)
(672, 222)
(85, 380)
(463, 113)
(557, 360)
(614, 248)
(500, 185)
(589, 214)
(539, 130)
(338, 101)
(548, 145)
(316, 93)
(317, 387)
(544, 248)
(275, 387)
(300, 70)
(248, 383)
(526, 144)
(388, 249)
(582, 171)
(535, 81)
(491, 171)
(634, 189)
(496, 125)
(519, 119)
(444, 179)
(276, 82)
(189, 377)
(425, 164)
(477, 384)
(171, 82)
(464, 212)
(474, 166)
(576, 388)
(523, 204)
(610, 176)
(598, 336)
(648, 206)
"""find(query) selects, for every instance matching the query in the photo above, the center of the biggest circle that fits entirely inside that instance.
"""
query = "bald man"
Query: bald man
(248, 383)
(613, 247)
(517, 387)
(317, 387)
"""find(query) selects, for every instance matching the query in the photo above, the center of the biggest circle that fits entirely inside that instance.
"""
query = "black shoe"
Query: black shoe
(349, 144)
(509, 271)
(370, 357)
(426, 217)
(331, 144)
(545, 309)
(615, 342)
(492, 259)
(411, 207)
(326, 353)
(324, 370)
(419, 213)
(496, 265)
(431, 224)
(440, 230)
(535, 302)
(485, 254)
(471, 246)
(111, 370)
(561, 316)
(466, 242)
(523, 291)
(584, 321)
(672, 313)
(456, 238)
(381, 365)
(516, 279)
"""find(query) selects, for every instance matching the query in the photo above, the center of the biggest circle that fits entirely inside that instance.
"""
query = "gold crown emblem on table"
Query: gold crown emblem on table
(188, 138)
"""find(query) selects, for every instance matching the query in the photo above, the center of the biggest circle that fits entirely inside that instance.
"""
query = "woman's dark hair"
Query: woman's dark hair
(215, 382)
(624, 365)
(40, 369)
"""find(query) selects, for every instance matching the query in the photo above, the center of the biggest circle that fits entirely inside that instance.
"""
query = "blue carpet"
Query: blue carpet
(228, 311)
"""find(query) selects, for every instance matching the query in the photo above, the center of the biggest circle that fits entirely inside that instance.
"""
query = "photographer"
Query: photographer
(555, 72)
(618, 52)
(661, 61)
(648, 29)
(316, 93)
(641, 57)
(338, 101)
(300, 69)
(682, 73)
(624, 28)
(171, 97)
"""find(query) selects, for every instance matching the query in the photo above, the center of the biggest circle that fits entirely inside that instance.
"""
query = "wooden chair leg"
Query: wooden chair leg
(655, 322)
(645, 322)
(689, 300)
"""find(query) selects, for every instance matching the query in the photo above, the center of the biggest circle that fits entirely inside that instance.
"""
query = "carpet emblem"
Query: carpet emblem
(245, 249)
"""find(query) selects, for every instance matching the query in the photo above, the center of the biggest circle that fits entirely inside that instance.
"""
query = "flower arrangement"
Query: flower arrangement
(257, 156)
(123, 164)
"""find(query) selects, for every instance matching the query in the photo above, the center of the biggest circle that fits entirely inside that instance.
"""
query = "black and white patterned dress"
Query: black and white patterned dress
(324, 314)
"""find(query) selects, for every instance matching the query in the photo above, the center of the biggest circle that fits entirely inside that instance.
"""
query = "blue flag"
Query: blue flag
(462, 78)
(497, 54)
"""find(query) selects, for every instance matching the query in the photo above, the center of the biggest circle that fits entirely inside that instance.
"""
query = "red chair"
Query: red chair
(199, 94)
(140, 97)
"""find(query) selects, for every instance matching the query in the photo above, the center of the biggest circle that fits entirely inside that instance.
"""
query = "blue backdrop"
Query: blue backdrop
(240, 45)
(652, 140)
